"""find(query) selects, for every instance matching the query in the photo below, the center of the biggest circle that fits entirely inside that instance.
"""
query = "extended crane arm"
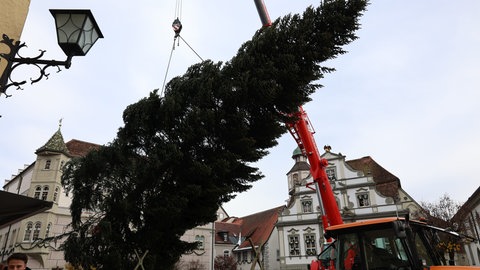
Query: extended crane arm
(303, 134)
(304, 138)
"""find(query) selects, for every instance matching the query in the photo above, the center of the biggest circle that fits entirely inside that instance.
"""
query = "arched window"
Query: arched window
(45, 193)
(38, 190)
(47, 164)
(47, 230)
(28, 232)
(13, 238)
(55, 194)
(36, 231)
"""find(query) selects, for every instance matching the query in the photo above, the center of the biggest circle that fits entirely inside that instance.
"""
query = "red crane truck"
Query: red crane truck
(379, 244)
(386, 243)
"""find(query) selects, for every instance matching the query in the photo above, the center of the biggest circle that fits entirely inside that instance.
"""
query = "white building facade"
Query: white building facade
(363, 190)
(469, 215)
(287, 237)
(40, 236)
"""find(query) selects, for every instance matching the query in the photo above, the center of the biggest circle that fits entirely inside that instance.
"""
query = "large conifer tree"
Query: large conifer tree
(179, 157)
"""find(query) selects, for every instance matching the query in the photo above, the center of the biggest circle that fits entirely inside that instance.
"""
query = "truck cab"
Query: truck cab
(388, 243)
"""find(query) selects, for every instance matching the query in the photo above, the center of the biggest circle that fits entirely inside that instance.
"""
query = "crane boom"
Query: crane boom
(304, 138)
(302, 132)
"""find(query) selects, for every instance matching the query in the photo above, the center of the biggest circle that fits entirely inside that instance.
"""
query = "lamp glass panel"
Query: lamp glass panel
(69, 27)
(89, 35)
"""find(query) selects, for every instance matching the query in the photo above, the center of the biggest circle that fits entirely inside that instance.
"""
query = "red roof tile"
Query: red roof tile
(79, 148)
(258, 227)
(386, 183)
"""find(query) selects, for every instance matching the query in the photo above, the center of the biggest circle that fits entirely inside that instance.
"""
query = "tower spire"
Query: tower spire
(55, 143)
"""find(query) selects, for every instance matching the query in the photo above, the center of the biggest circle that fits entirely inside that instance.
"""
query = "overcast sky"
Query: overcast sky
(406, 94)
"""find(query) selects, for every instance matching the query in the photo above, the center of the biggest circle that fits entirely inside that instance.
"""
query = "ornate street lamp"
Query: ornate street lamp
(77, 31)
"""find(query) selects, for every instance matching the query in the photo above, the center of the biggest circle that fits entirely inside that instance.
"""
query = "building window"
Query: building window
(331, 173)
(47, 230)
(200, 239)
(12, 240)
(5, 237)
(307, 206)
(477, 218)
(47, 164)
(363, 200)
(36, 231)
(244, 256)
(224, 236)
(61, 164)
(310, 245)
(38, 190)
(55, 194)
(294, 245)
(28, 232)
(226, 253)
(45, 193)
(296, 182)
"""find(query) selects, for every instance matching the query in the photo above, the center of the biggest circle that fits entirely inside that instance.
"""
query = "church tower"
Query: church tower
(45, 184)
(46, 178)
(299, 172)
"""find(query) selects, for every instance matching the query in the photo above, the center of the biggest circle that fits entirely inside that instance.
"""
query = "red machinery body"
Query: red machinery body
(302, 132)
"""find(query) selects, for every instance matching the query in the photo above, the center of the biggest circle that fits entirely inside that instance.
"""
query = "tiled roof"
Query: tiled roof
(73, 148)
(79, 148)
(472, 202)
(232, 229)
(300, 166)
(258, 227)
(386, 183)
(54, 144)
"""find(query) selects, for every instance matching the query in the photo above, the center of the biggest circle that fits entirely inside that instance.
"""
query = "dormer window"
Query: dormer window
(307, 206)
(224, 236)
(363, 200)
(331, 173)
(47, 164)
